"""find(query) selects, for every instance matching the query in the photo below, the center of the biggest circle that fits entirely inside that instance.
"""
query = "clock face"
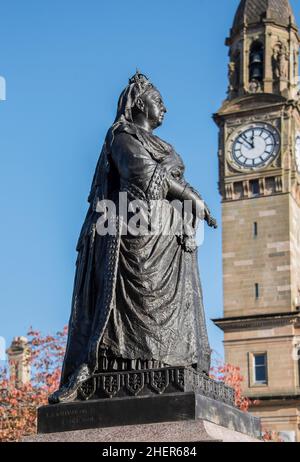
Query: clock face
(255, 146)
(297, 151)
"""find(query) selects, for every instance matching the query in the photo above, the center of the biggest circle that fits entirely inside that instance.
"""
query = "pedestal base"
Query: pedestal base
(121, 412)
(192, 431)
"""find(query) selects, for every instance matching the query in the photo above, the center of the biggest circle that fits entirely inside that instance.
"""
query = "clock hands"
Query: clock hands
(251, 144)
(256, 145)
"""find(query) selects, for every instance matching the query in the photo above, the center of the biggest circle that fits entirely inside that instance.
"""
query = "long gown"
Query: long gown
(137, 300)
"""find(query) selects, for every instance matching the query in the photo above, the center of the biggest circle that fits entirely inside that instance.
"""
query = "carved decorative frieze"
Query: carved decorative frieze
(134, 383)
(152, 382)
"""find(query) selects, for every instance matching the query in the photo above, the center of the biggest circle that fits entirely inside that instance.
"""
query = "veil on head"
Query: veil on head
(138, 85)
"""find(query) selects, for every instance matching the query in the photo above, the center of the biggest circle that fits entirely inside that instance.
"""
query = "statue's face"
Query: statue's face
(154, 108)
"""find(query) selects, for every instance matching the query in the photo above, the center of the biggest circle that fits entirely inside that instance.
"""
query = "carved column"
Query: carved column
(245, 61)
(268, 78)
(18, 359)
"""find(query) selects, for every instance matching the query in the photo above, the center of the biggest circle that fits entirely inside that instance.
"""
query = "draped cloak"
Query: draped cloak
(136, 298)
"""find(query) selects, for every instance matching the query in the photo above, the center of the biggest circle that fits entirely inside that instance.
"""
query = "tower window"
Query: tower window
(256, 291)
(260, 369)
(254, 187)
(255, 229)
(256, 62)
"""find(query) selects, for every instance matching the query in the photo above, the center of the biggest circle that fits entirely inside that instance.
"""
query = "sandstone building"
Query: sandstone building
(259, 181)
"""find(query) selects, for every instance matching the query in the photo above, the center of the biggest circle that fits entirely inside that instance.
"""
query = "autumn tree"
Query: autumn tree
(231, 376)
(19, 402)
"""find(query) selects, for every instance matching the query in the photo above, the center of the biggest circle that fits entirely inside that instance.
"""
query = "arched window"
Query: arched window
(256, 67)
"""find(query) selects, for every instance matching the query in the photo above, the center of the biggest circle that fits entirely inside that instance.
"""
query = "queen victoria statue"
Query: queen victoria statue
(137, 301)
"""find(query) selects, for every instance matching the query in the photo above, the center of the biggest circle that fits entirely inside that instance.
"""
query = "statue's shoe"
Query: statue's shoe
(69, 391)
(63, 395)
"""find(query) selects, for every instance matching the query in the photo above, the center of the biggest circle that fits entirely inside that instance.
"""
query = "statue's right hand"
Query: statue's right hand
(210, 220)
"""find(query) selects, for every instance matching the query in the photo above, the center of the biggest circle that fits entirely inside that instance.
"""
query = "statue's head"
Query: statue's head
(141, 99)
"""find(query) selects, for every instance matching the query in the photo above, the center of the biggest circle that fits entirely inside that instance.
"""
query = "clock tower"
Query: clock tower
(259, 182)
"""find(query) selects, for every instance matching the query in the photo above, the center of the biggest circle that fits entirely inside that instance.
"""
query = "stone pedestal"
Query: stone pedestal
(141, 398)
(123, 412)
(192, 431)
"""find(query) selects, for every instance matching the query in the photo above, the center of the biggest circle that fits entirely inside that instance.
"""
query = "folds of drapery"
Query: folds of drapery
(124, 285)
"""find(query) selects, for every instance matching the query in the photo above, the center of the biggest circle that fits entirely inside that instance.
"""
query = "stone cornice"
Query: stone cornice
(257, 321)
(266, 22)
(274, 397)
(246, 104)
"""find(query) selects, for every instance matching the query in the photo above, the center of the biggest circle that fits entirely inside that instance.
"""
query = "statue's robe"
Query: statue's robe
(137, 300)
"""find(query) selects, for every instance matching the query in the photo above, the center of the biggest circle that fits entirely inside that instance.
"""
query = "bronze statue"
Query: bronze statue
(137, 301)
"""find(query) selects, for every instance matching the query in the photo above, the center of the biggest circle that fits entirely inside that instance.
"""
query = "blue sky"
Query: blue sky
(65, 63)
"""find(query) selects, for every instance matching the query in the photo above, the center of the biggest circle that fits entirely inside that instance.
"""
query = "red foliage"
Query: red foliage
(271, 437)
(19, 403)
(231, 376)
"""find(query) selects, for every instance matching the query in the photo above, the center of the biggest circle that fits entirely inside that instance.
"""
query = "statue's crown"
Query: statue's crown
(142, 82)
